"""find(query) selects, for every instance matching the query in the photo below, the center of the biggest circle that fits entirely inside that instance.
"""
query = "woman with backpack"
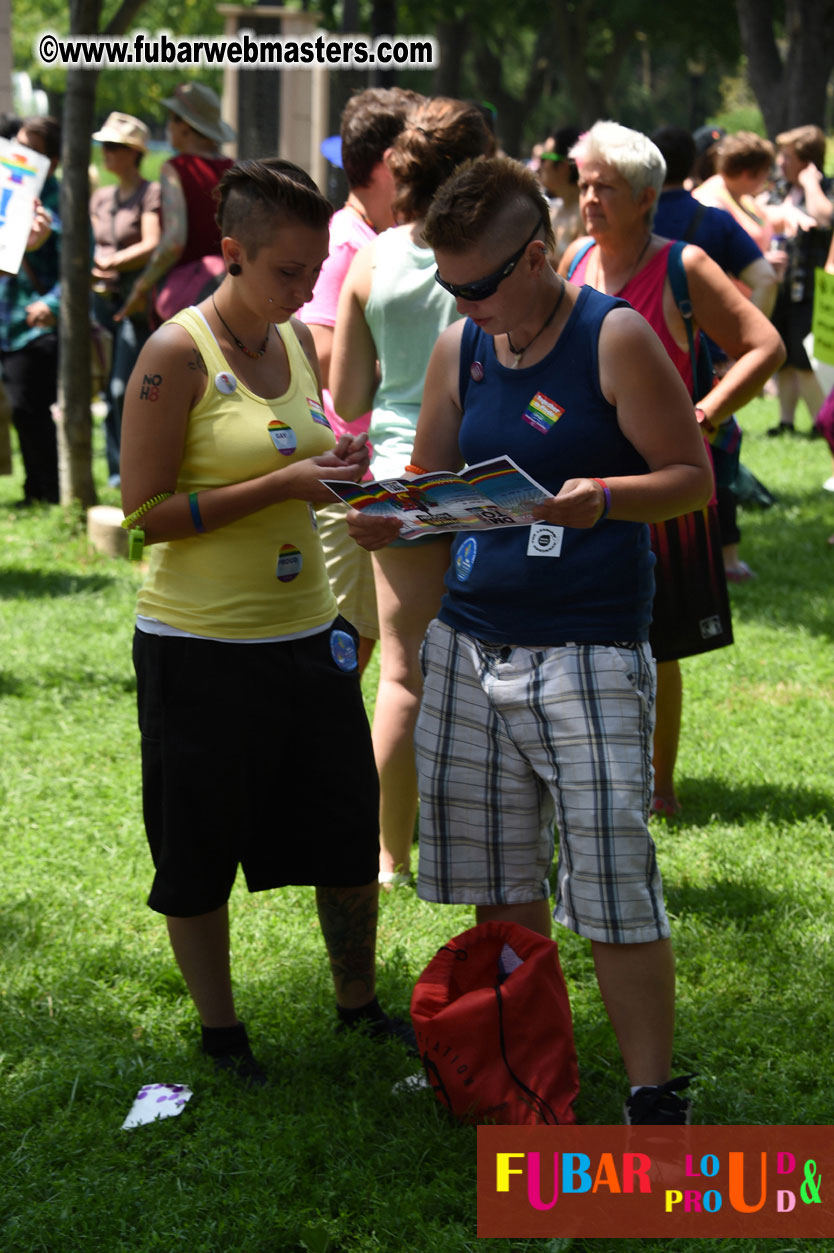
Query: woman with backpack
(538, 693)
(621, 173)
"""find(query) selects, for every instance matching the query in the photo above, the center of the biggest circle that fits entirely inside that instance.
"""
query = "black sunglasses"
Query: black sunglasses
(483, 288)
(109, 146)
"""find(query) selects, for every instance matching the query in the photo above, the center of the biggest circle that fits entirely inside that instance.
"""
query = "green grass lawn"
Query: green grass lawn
(327, 1157)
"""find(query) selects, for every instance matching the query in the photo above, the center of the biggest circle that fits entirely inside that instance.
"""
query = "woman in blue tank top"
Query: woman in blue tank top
(538, 698)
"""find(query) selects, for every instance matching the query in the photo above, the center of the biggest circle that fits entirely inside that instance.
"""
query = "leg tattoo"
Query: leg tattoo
(348, 922)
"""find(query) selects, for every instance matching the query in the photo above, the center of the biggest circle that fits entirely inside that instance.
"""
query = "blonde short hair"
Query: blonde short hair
(632, 154)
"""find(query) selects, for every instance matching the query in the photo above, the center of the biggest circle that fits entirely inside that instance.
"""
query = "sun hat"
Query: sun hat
(199, 106)
(121, 128)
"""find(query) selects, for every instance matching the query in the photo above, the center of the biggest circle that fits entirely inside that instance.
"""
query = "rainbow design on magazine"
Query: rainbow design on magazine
(492, 475)
(361, 501)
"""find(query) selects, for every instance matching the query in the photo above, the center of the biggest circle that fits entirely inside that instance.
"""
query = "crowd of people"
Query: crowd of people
(530, 687)
(155, 247)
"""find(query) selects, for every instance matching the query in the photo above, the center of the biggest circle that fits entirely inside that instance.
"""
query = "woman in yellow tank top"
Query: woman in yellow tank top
(240, 655)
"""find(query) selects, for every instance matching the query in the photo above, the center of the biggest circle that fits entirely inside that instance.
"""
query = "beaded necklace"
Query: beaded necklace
(253, 356)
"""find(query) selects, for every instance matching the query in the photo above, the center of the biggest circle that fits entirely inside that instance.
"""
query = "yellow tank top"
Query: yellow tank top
(263, 575)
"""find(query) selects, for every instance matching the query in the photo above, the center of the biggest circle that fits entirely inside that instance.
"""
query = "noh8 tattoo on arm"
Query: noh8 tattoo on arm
(149, 389)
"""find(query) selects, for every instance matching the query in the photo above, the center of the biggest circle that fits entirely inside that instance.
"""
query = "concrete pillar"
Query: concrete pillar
(298, 98)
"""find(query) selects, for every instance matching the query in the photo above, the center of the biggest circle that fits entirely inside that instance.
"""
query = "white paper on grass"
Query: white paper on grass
(157, 1100)
(22, 175)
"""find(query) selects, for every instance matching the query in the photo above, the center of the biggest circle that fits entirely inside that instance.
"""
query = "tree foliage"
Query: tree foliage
(579, 60)
(142, 89)
(790, 55)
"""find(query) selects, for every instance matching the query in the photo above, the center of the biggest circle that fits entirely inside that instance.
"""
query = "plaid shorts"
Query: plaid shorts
(511, 742)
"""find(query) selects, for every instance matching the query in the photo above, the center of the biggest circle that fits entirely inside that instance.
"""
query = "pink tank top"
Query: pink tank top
(644, 293)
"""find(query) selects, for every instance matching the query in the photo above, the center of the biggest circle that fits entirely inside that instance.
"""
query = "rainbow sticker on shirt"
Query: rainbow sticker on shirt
(290, 562)
(317, 413)
(283, 437)
(542, 413)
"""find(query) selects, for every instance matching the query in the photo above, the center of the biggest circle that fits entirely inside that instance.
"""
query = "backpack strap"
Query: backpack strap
(694, 223)
(680, 291)
(702, 372)
(586, 248)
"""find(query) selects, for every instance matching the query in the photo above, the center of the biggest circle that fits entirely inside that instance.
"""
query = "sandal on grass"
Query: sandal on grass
(394, 878)
(664, 807)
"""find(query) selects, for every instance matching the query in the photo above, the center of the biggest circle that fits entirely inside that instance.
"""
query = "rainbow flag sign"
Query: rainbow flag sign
(22, 176)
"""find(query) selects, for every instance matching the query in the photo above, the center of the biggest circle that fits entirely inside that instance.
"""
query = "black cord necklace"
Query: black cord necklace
(518, 353)
(248, 351)
(357, 208)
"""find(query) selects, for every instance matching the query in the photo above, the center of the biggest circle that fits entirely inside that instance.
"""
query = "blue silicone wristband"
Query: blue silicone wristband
(196, 518)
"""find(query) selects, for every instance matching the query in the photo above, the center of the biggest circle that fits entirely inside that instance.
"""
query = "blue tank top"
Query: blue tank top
(523, 585)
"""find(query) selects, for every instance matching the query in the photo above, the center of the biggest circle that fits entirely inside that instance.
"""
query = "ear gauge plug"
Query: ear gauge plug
(234, 269)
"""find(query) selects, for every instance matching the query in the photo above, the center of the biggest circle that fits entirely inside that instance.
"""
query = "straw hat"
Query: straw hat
(199, 106)
(121, 128)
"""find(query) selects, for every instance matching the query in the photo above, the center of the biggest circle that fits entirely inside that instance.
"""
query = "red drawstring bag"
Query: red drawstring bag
(493, 1024)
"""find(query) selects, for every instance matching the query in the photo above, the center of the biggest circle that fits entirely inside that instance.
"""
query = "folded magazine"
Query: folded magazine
(484, 496)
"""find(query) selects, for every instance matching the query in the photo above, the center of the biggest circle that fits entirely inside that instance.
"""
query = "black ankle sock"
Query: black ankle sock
(370, 1013)
(226, 1041)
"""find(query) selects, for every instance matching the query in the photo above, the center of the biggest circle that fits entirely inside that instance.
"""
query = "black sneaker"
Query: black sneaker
(385, 1028)
(782, 428)
(401, 1030)
(655, 1107)
(230, 1051)
(243, 1066)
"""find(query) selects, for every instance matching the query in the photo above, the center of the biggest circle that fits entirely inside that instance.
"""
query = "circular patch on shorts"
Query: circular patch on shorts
(465, 558)
(290, 562)
(343, 650)
(283, 437)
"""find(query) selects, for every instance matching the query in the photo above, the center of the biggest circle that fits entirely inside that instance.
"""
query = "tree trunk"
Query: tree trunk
(75, 432)
(75, 427)
(790, 89)
(592, 95)
(383, 22)
(512, 110)
(451, 44)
